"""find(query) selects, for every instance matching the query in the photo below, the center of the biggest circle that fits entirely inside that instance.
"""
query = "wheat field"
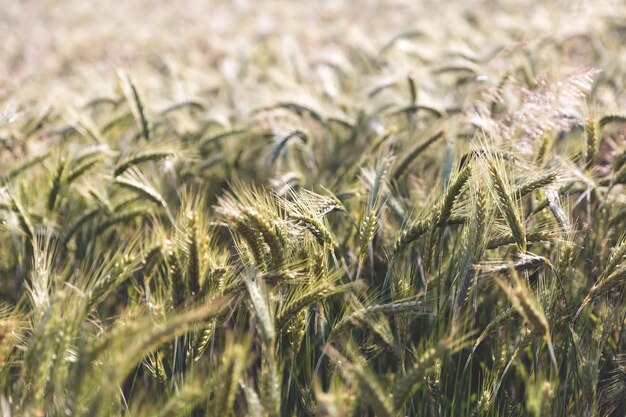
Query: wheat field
(296, 208)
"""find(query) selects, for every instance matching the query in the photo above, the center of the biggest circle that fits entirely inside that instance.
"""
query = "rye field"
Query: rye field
(296, 208)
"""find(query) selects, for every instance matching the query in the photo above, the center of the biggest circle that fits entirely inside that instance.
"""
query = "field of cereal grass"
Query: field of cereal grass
(272, 208)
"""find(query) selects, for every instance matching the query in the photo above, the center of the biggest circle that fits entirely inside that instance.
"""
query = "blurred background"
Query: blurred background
(72, 48)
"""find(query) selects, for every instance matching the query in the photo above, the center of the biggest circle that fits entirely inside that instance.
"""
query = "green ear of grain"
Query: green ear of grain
(271, 233)
(78, 223)
(81, 169)
(407, 160)
(15, 172)
(56, 185)
(614, 275)
(533, 237)
(122, 217)
(136, 105)
(139, 158)
(261, 310)
(527, 305)
(232, 369)
(176, 279)
(534, 184)
(153, 336)
(611, 119)
(280, 144)
(188, 396)
(454, 192)
(142, 189)
(187, 104)
(120, 120)
(193, 255)
(24, 219)
(506, 206)
(358, 374)
(591, 135)
(414, 377)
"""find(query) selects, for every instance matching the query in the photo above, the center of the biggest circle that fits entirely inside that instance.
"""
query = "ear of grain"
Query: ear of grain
(418, 229)
(410, 234)
(358, 374)
(261, 311)
(614, 274)
(230, 372)
(591, 135)
(317, 293)
(611, 119)
(533, 184)
(81, 169)
(406, 162)
(176, 279)
(527, 305)
(186, 104)
(523, 263)
(271, 235)
(532, 237)
(316, 227)
(56, 185)
(123, 217)
(139, 158)
(23, 217)
(412, 89)
(78, 223)
(546, 139)
(136, 105)
(453, 193)
(280, 144)
(193, 255)
(405, 385)
(253, 239)
(187, 397)
(151, 337)
(557, 211)
(143, 189)
(506, 205)
(270, 386)
(403, 307)
(253, 402)
(474, 243)
(15, 172)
